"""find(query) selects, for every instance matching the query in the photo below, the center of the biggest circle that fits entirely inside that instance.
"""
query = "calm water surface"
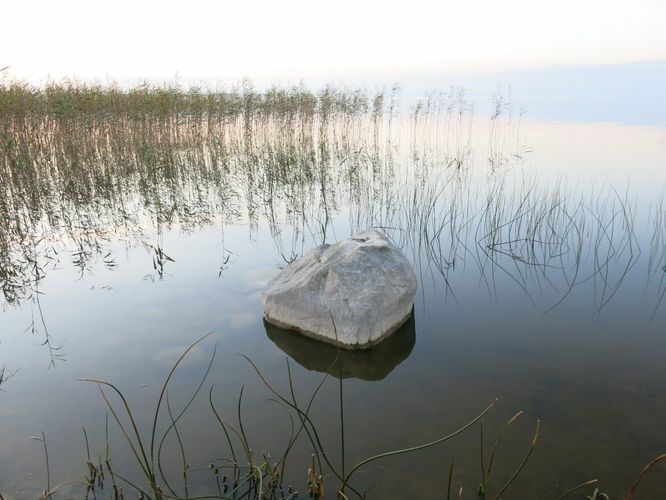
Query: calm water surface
(540, 250)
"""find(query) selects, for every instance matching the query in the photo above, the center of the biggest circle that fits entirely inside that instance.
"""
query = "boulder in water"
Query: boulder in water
(353, 293)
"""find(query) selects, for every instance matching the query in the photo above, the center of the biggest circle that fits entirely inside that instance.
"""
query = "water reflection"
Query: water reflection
(74, 188)
(368, 364)
(186, 216)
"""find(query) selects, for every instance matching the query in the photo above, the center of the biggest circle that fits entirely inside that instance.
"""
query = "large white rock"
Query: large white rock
(364, 284)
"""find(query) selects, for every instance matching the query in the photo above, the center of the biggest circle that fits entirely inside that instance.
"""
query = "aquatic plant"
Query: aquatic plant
(247, 475)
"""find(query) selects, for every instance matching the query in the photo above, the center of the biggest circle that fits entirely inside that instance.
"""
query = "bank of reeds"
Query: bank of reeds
(148, 102)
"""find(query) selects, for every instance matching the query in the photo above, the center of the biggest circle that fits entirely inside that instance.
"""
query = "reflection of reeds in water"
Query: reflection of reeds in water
(82, 166)
(657, 256)
(90, 164)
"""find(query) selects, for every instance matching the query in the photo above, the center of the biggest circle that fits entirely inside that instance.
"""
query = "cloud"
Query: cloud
(257, 279)
(168, 357)
(241, 321)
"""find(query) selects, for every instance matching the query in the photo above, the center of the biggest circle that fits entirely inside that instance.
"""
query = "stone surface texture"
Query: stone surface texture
(364, 284)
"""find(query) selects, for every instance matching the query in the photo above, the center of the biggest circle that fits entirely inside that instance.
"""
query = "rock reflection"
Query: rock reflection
(369, 364)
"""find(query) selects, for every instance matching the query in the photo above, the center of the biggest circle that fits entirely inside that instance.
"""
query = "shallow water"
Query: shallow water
(540, 251)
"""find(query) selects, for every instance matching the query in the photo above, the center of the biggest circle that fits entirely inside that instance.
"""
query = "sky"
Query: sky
(290, 40)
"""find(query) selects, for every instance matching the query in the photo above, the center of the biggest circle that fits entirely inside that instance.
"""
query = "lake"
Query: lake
(540, 253)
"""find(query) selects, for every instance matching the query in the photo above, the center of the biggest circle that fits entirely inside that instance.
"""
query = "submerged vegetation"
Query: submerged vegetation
(246, 474)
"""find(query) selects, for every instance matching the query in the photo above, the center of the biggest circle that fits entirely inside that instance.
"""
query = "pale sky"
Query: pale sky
(293, 39)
